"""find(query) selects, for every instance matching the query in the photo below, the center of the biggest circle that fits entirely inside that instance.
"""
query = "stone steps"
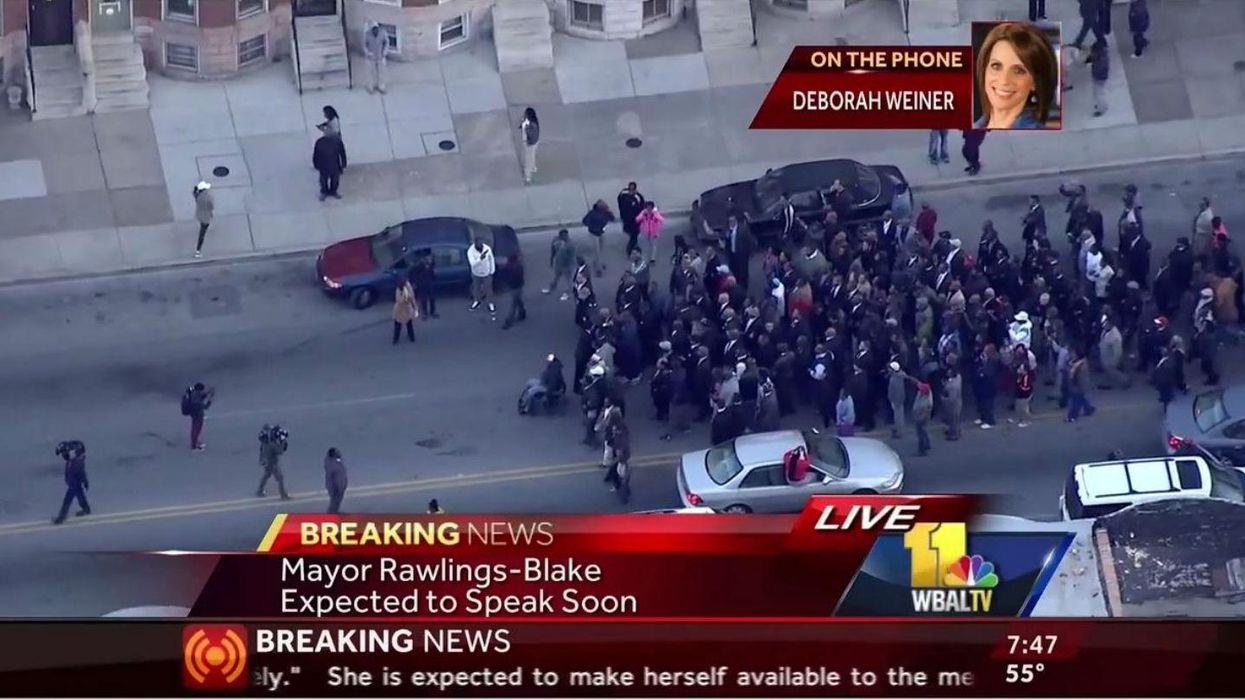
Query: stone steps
(522, 35)
(58, 82)
(120, 74)
(323, 59)
(724, 24)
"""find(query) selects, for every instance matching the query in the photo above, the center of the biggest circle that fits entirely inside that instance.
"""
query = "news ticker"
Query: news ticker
(1016, 658)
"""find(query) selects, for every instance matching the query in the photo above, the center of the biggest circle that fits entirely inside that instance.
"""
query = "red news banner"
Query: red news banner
(871, 87)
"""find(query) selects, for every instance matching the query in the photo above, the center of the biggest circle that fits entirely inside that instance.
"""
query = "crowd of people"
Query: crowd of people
(896, 321)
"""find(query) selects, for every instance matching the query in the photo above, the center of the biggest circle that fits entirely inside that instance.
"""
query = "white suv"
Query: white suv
(1101, 488)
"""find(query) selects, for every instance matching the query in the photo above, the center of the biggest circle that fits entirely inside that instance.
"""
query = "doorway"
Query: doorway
(111, 16)
(314, 8)
(51, 22)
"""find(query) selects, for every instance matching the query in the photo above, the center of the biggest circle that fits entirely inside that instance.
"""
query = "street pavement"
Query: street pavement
(105, 361)
(112, 192)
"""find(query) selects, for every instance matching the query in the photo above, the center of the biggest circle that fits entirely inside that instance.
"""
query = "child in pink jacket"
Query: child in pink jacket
(651, 223)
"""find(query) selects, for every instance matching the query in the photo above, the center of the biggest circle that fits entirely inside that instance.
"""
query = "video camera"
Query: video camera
(276, 436)
(67, 449)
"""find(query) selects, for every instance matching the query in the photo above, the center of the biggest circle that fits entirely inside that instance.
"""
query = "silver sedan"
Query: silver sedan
(746, 475)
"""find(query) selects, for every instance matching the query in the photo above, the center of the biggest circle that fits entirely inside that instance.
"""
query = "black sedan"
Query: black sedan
(869, 191)
(366, 268)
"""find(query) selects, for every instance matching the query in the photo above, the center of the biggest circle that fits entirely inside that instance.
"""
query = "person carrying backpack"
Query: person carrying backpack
(195, 402)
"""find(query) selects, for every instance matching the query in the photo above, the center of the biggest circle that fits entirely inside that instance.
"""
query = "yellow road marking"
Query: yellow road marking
(273, 530)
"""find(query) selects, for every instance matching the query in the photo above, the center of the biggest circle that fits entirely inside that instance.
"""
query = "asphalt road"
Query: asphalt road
(106, 360)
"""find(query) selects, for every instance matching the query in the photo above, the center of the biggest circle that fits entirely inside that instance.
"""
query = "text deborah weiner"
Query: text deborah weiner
(871, 88)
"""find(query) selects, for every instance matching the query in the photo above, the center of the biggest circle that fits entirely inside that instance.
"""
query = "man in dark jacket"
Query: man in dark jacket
(76, 485)
(1034, 220)
(973, 138)
(597, 218)
(329, 159)
(512, 281)
(195, 402)
(630, 204)
(335, 479)
(1138, 23)
(1100, 70)
(1092, 20)
(725, 424)
(740, 245)
(424, 280)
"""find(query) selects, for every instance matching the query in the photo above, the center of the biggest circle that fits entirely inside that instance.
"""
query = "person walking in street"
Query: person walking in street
(273, 442)
(1100, 69)
(376, 49)
(1138, 25)
(434, 507)
(483, 267)
(845, 413)
(740, 246)
(76, 483)
(195, 403)
(335, 481)
(1023, 388)
(618, 474)
(1078, 388)
(953, 402)
(897, 397)
(404, 312)
(1034, 222)
(1203, 229)
(922, 411)
(513, 281)
(562, 259)
(205, 208)
(597, 218)
(424, 279)
(1111, 355)
(1091, 12)
(986, 386)
(1037, 10)
(973, 138)
(329, 159)
(938, 146)
(529, 129)
(630, 205)
(651, 224)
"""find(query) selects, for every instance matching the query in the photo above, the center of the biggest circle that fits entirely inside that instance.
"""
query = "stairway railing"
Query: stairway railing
(346, 39)
(31, 94)
(298, 65)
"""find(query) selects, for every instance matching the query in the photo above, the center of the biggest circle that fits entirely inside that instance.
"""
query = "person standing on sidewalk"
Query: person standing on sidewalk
(376, 48)
(938, 146)
(1091, 12)
(529, 128)
(205, 208)
(513, 281)
(973, 138)
(335, 480)
(1037, 10)
(195, 402)
(630, 204)
(329, 159)
(332, 125)
(1100, 70)
(1138, 25)
(651, 223)
(424, 279)
(483, 267)
(76, 484)
(404, 312)
(562, 260)
(597, 218)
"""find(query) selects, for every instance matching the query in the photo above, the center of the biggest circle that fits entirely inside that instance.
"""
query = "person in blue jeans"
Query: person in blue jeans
(938, 146)
(1078, 388)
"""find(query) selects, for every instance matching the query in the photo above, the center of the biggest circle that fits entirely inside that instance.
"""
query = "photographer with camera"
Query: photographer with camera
(195, 402)
(273, 442)
(76, 484)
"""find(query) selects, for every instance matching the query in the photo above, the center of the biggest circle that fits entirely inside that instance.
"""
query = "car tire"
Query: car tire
(363, 297)
(736, 509)
(864, 492)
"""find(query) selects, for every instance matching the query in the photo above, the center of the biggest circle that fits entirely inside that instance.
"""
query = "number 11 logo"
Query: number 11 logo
(935, 548)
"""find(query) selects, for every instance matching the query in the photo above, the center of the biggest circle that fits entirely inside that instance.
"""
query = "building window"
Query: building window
(252, 50)
(453, 31)
(793, 4)
(184, 10)
(395, 39)
(395, 3)
(587, 14)
(655, 10)
(181, 56)
(246, 8)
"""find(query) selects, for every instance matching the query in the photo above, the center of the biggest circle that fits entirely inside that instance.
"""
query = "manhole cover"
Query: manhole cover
(1238, 66)
(220, 171)
(446, 145)
(634, 143)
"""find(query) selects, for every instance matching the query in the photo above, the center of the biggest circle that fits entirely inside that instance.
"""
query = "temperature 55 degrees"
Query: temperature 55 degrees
(1022, 673)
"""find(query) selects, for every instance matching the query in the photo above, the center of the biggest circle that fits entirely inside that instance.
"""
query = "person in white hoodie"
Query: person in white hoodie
(480, 258)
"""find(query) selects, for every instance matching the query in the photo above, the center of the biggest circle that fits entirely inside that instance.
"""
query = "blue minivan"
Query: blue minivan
(368, 268)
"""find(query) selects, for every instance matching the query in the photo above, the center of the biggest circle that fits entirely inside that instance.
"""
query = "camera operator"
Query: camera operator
(195, 402)
(76, 484)
(273, 442)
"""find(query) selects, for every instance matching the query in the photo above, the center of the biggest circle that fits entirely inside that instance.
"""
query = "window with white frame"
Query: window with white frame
(587, 14)
(183, 10)
(395, 3)
(793, 4)
(453, 31)
(181, 56)
(655, 10)
(252, 50)
(246, 8)
(395, 39)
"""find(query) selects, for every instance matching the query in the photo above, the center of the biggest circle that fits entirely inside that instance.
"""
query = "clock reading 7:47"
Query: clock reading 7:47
(1037, 645)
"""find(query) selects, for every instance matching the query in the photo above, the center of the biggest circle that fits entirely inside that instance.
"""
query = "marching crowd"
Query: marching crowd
(892, 320)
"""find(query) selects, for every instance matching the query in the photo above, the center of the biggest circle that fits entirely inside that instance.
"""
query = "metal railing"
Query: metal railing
(346, 39)
(31, 98)
(298, 65)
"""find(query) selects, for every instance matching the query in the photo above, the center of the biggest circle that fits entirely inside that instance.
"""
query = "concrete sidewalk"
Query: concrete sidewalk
(112, 192)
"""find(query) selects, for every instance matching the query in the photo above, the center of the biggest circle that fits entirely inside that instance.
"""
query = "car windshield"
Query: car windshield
(722, 463)
(387, 247)
(826, 453)
(868, 186)
(1208, 410)
(1228, 484)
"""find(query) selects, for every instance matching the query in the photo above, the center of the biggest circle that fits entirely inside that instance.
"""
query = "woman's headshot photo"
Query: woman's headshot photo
(1017, 76)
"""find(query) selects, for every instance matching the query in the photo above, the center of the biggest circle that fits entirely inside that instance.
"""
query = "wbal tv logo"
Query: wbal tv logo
(945, 577)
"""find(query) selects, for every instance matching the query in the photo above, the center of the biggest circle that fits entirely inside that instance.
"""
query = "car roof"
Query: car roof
(766, 448)
(818, 174)
(437, 230)
(1146, 478)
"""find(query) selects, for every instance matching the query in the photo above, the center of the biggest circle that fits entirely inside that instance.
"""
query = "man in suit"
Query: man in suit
(740, 245)
(329, 159)
(1035, 219)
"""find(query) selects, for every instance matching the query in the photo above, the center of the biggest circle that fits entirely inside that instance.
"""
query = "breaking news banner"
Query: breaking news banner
(909, 596)
(1008, 79)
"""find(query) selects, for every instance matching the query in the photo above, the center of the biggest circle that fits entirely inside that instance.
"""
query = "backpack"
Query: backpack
(187, 403)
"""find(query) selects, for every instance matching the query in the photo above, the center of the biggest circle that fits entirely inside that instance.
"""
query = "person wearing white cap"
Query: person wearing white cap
(897, 397)
(1020, 332)
(205, 207)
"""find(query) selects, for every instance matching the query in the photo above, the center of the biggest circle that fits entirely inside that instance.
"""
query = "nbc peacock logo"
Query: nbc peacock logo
(946, 579)
(971, 572)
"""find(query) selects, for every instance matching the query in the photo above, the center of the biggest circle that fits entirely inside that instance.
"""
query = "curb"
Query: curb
(936, 186)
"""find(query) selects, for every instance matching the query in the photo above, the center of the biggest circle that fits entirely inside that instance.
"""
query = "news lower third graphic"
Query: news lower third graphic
(943, 569)
(214, 657)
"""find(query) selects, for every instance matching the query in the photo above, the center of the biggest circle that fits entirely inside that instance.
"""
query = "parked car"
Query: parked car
(369, 268)
(1213, 420)
(872, 187)
(1100, 488)
(746, 474)
(675, 511)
